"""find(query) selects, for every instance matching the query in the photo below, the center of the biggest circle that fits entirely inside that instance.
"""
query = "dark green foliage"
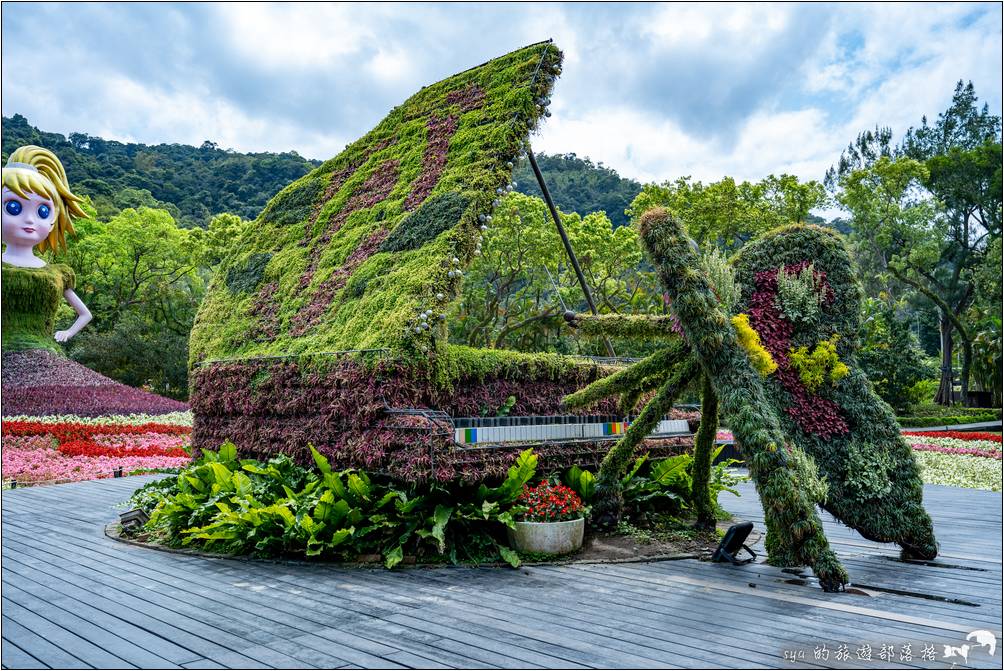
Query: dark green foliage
(247, 278)
(579, 185)
(292, 205)
(439, 214)
(874, 483)
(193, 183)
(891, 358)
(653, 487)
(948, 420)
(785, 477)
(281, 509)
(138, 353)
(609, 485)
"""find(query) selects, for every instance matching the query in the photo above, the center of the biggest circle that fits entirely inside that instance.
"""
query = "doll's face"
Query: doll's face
(26, 221)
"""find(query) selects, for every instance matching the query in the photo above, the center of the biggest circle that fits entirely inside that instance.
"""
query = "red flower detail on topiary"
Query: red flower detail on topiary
(440, 130)
(468, 99)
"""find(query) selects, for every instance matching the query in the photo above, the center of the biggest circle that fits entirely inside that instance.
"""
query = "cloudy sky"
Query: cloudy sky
(655, 91)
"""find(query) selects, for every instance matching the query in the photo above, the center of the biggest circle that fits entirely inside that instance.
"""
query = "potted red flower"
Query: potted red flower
(552, 520)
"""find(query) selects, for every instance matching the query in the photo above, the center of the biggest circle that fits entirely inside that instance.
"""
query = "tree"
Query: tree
(727, 214)
(142, 277)
(515, 294)
(579, 185)
(868, 147)
(890, 355)
(961, 158)
(193, 183)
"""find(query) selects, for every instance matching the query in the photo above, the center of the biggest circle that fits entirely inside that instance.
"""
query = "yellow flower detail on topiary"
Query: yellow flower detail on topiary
(750, 341)
(820, 365)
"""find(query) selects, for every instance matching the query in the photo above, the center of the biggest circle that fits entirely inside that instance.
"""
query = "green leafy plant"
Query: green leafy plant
(277, 508)
(819, 366)
(506, 407)
(660, 485)
(749, 340)
(799, 295)
(581, 481)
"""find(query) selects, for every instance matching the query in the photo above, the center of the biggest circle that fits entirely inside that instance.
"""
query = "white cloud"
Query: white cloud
(278, 36)
(193, 115)
(655, 91)
(646, 148)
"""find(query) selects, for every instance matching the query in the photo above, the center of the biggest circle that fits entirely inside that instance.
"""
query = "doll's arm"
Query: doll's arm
(83, 316)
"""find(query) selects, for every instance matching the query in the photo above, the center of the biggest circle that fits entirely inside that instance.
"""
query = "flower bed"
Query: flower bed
(958, 459)
(957, 470)
(183, 419)
(48, 450)
(958, 435)
(40, 382)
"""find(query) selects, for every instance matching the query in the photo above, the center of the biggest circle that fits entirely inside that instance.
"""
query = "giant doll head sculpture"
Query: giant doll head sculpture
(38, 207)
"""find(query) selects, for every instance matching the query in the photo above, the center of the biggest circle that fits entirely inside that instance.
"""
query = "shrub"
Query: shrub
(892, 359)
(278, 508)
(819, 366)
(654, 486)
(800, 294)
(947, 420)
(722, 277)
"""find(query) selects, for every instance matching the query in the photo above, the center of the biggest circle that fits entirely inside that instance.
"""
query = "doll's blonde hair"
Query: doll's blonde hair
(41, 173)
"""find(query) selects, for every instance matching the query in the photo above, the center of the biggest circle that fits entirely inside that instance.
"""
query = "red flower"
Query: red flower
(550, 503)
(960, 435)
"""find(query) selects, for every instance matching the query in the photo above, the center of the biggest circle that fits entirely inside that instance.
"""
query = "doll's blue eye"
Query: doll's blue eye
(13, 208)
(43, 211)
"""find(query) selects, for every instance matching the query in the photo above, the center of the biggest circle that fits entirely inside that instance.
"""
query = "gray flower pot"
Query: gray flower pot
(554, 538)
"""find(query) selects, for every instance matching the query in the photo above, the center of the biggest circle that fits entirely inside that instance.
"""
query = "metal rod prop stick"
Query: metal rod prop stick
(565, 241)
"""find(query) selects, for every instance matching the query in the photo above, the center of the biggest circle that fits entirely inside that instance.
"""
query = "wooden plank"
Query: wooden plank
(134, 653)
(123, 627)
(116, 601)
(83, 649)
(185, 616)
(13, 657)
(665, 614)
(42, 649)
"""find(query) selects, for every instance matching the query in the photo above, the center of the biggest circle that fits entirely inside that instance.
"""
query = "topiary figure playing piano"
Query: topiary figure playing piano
(781, 362)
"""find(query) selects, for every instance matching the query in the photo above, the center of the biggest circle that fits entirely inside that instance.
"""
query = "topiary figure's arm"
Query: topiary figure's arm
(646, 327)
(785, 478)
(631, 378)
(607, 501)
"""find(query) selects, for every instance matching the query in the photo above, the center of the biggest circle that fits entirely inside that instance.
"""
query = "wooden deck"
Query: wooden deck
(73, 598)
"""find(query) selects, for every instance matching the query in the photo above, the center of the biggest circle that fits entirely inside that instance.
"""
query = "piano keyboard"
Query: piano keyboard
(492, 430)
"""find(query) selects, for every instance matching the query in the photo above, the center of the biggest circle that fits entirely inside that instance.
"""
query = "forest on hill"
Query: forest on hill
(196, 183)
(192, 183)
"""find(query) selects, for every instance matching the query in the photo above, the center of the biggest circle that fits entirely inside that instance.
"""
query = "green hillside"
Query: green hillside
(579, 185)
(192, 183)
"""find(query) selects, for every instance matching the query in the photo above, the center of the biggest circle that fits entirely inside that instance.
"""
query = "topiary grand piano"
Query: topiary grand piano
(327, 325)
